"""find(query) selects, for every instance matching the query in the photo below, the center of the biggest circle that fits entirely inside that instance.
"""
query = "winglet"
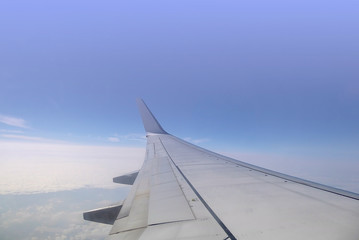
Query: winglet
(149, 121)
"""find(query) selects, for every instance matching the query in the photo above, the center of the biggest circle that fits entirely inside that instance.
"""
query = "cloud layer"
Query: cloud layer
(13, 121)
(55, 215)
(32, 167)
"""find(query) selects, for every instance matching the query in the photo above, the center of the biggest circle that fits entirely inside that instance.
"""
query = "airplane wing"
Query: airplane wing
(186, 192)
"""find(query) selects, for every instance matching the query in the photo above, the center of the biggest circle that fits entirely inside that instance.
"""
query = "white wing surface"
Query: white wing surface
(185, 192)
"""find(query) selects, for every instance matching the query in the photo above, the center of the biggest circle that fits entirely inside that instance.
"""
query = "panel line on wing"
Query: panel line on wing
(214, 215)
(156, 224)
(167, 202)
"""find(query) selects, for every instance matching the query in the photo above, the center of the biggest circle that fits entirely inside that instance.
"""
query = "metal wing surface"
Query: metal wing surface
(186, 192)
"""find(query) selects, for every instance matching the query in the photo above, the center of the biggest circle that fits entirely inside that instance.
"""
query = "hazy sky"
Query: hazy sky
(252, 73)
(274, 83)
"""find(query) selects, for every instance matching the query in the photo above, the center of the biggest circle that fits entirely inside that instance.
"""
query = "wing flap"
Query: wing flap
(163, 198)
(167, 201)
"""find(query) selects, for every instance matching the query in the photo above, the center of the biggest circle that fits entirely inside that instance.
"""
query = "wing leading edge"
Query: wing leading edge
(186, 192)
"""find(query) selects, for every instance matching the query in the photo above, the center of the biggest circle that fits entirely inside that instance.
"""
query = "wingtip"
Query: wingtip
(149, 121)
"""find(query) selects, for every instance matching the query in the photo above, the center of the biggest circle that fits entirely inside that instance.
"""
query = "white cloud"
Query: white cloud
(22, 137)
(196, 141)
(13, 121)
(30, 138)
(127, 137)
(113, 139)
(134, 137)
(11, 131)
(54, 215)
(30, 167)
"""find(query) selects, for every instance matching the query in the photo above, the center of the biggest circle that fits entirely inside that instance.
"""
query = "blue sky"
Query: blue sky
(252, 75)
(274, 83)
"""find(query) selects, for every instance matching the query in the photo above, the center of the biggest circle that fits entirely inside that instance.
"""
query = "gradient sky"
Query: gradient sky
(253, 76)
(275, 83)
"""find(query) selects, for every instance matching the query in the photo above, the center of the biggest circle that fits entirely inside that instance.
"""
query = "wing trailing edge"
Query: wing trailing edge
(106, 215)
(127, 179)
